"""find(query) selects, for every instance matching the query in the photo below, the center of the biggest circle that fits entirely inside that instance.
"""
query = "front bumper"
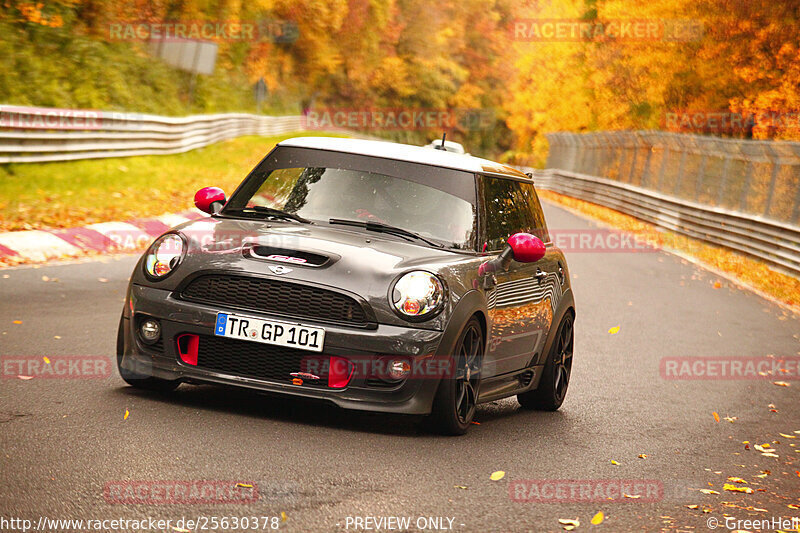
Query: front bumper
(412, 396)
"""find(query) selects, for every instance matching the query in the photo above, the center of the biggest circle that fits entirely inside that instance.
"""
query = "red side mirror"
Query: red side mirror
(526, 247)
(209, 199)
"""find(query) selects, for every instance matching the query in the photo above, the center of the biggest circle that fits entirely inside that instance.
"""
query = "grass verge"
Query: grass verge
(749, 271)
(75, 193)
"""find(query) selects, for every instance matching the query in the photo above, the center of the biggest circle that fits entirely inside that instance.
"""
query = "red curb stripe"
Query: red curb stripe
(151, 226)
(7, 252)
(83, 238)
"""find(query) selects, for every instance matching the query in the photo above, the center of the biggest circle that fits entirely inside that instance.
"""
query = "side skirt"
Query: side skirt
(498, 387)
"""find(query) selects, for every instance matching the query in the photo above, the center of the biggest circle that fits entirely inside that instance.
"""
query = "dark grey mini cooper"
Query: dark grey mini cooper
(373, 275)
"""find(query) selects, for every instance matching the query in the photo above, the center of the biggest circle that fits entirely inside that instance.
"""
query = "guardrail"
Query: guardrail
(761, 178)
(775, 243)
(37, 135)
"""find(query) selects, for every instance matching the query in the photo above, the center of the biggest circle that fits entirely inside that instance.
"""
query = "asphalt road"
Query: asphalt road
(64, 440)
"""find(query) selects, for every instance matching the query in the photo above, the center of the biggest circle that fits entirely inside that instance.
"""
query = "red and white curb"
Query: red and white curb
(35, 246)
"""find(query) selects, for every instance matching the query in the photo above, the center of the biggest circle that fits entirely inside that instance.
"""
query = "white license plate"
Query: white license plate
(269, 332)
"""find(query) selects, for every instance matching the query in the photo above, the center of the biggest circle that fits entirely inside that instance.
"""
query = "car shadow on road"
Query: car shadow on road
(318, 413)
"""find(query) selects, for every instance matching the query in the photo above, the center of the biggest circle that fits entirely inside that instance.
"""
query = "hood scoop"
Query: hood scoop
(285, 255)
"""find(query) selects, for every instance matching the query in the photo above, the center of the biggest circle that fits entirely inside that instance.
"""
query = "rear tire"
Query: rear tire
(454, 404)
(138, 380)
(552, 389)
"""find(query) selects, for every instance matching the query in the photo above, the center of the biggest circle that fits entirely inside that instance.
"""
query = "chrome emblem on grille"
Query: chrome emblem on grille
(279, 269)
(303, 375)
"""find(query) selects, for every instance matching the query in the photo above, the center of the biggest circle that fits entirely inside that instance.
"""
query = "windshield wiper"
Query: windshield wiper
(272, 212)
(384, 228)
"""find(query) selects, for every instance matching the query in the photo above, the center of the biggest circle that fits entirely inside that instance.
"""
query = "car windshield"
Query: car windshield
(320, 194)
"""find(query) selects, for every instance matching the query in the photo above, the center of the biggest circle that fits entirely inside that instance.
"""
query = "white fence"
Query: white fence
(37, 135)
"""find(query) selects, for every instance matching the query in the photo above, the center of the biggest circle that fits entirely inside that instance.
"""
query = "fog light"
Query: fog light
(398, 369)
(150, 330)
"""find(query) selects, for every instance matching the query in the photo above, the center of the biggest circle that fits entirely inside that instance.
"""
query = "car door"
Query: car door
(522, 299)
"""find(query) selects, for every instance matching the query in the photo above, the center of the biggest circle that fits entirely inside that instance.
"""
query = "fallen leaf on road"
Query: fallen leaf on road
(25, 377)
(613, 462)
(716, 416)
(476, 423)
(642, 456)
(762, 447)
(731, 418)
(717, 284)
(460, 487)
(284, 517)
(693, 506)
(102, 280)
(737, 480)
(497, 476)
(784, 435)
(708, 491)
(125, 416)
(18, 322)
(568, 524)
(180, 530)
(770, 455)
(46, 360)
(244, 485)
(598, 518)
(614, 330)
(632, 496)
(780, 383)
(793, 506)
(734, 488)
(57, 337)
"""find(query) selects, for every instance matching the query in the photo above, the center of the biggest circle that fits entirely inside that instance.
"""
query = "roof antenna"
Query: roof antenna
(441, 147)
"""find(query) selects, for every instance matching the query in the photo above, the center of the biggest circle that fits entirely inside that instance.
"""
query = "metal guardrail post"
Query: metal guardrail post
(773, 155)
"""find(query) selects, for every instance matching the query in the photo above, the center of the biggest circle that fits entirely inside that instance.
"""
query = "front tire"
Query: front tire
(138, 380)
(454, 405)
(552, 389)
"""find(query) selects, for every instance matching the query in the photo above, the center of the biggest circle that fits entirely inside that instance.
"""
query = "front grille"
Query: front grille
(258, 361)
(273, 296)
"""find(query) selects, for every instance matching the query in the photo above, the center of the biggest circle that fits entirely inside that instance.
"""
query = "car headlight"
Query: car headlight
(164, 255)
(417, 294)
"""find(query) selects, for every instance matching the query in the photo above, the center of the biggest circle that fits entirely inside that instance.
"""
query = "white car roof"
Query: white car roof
(403, 152)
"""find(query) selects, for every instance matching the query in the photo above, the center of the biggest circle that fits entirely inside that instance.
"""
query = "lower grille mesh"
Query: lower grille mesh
(256, 360)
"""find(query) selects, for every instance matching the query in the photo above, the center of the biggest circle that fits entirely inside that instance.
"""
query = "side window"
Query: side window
(508, 210)
(539, 226)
